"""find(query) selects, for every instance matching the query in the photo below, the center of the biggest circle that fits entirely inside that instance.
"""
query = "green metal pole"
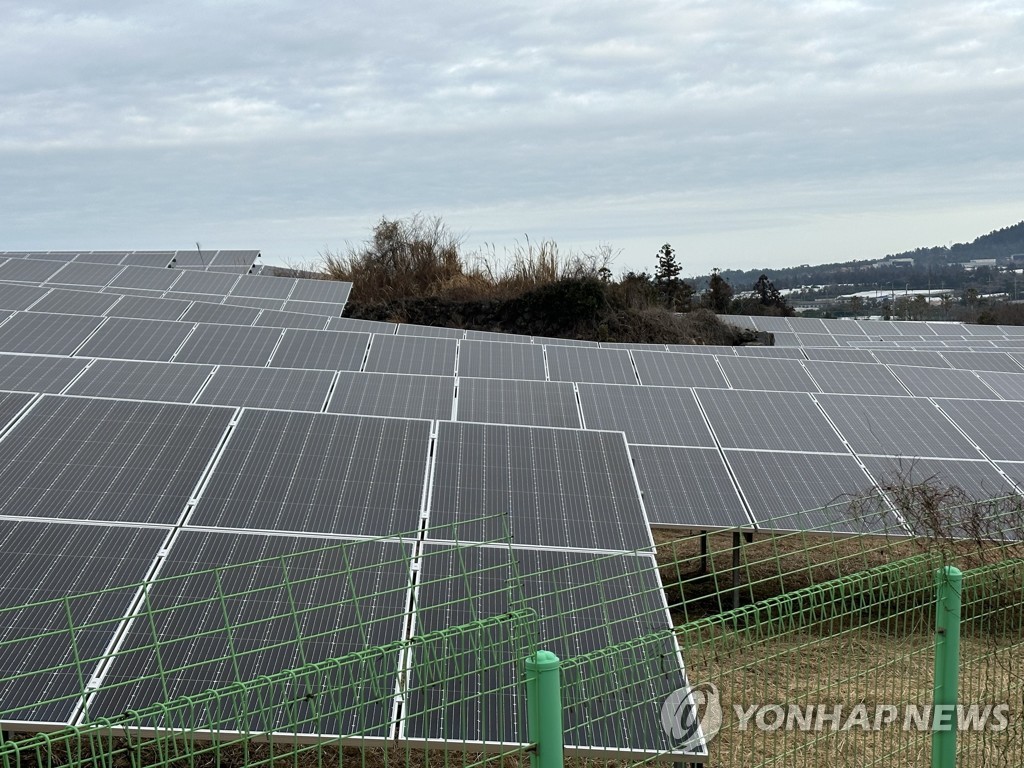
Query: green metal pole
(949, 582)
(544, 709)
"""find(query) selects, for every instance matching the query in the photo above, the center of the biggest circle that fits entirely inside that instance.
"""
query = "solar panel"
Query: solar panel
(411, 354)
(554, 340)
(632, 346)
(147, 278)
(1015, 471)
(360, 326)
(102, 257)
(941, 382)
(767, 374)
(234, 257)
(15, 297)
(64, 302)
(229, 345)
(330, 350)
(896, 426)
(157, 259)
(670, 370)
(815, 340)
(791, 353)
(52, 562)
(768, 420)
(32, 373)
(134, 380)
(118, 460)
(276, 319)
(495, 360)
(319, 473)
(313, 308)
(44, 334)
(247, 301)
(806, 491)
(131, 292)
(993, 424)
(328, 291)
(262, 287)
(203, 282)
(287, 623)
(973, 329)
(982, 361)
(28, 271)
(687, 487)
(842, 355)
(648, 415)
(220, 314)
(1010, 386)
(11, 404)
(785, 340)
(148, 308)
(548, 487)
(603, 366)
(916, 357)
(854, 378)
(508, 338)
(86, 274)
(772, 324)
(701, 349)
(807, 325)
(980, 480)
(283, 388)
(390, 394)
(585, 602)
(431, 331)
(527, 403)
(132, 339)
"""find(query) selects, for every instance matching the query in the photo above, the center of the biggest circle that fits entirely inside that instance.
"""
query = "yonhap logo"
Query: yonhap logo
(692, 716)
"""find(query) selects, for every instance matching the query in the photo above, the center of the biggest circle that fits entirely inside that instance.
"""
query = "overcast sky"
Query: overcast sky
(747, 134)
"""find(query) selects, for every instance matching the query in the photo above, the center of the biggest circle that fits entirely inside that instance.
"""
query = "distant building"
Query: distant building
(976, 263)
(902, 262)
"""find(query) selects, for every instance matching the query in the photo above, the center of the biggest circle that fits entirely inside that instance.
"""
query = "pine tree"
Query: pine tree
(719, 294)
(674, 291)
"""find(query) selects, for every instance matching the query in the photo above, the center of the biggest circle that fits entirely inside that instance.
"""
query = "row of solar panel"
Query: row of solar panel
(237, 261)
(177, 648)
(980, 343)
(848, 327)
(172, 282)
(713, 460)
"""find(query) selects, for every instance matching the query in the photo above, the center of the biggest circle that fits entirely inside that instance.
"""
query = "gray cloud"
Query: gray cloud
(289, 126)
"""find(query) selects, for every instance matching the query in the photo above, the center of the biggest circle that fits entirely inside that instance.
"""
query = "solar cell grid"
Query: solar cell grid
(783, 340)
(603, 366)
(133, 339)
(667, 369)
(767, 374)
(816, 340)
(285, 628)
(77, 273)
(229, 345)
(328, 291)
(854, 378)
(978, 480)
(248, 301)
(156, 259)
(263, 287)
(29, 270)
(768, 420)
(842, 355)
(701, 349)
(67, 302)
(942, 382)
(411, 354)
(564, 342)
(135, 380)
(773, 324)
(994, 425)
(11, 404)
(45, 334)
(312, 308)
(14, 297)
(982, 361)
(392, 394)
(147, 278)
(281, 388)
(203, 282)
(327, 350)
(791, 353)
(921, 358)
(33, 373)
(547, 487)
(276, 319)
(220, 314)
(687, 487)
(585, 602)
(807, 325)
(528, 403)
(148, 308)
(323, 473)
(1010, 386)
(808, 492)
(431, 331)
(361, 326)
(896, 426)
(648, 415)
(513, 338)
(495, 360)
(118, 460)
(50, 561)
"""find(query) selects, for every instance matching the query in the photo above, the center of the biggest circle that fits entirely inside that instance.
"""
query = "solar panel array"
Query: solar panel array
(204, 415)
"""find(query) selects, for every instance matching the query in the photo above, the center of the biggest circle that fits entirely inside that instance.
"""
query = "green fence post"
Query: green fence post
(949, 581)
(544, 709)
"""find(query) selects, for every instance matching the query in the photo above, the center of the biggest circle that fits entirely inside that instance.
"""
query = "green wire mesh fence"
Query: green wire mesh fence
(406, 650)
